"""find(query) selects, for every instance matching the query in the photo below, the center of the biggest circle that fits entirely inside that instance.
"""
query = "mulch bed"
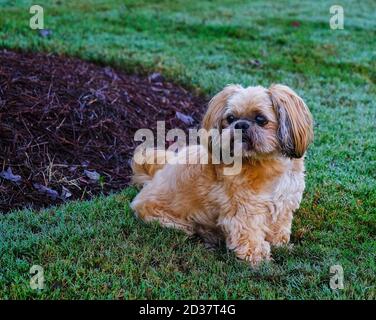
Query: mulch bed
(67, 126)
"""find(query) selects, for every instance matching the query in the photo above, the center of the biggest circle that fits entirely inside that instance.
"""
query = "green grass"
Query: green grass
(98, 249)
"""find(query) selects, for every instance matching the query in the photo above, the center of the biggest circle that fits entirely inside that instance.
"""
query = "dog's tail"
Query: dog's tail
(146, 163)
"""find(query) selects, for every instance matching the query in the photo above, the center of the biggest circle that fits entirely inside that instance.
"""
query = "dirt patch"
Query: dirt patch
(67, 126)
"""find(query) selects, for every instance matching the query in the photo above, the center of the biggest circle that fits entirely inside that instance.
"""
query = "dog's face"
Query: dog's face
(272, 121)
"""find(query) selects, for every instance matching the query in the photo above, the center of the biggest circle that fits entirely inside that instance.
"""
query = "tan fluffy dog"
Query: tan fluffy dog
(254, 209)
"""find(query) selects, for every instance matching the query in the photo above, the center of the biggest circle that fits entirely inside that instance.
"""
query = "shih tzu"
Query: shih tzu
(253, 209)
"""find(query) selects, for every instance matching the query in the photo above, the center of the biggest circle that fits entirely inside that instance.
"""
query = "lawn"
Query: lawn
(97, 249)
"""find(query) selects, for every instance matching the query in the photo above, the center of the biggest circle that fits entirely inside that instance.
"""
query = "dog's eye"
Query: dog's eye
(230, 119)
(261, 120)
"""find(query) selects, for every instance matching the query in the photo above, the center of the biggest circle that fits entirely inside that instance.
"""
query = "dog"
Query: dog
(252, 210)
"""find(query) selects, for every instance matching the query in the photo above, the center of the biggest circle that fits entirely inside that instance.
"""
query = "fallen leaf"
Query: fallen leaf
(65, 193)
(92, 175)
(44, 33)
(53, 194)
(85, 163)
(72, 169)
(255, 63)
(8, 175)
(156, 77)
(111, 73)
(185, 118)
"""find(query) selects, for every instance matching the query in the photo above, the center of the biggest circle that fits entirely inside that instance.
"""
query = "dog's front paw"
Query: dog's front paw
(256, 254)
(279, 239)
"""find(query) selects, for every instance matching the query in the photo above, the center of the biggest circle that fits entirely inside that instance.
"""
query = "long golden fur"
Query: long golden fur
(251, 210)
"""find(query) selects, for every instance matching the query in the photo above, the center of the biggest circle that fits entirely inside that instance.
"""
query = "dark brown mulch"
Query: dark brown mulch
(67, 126)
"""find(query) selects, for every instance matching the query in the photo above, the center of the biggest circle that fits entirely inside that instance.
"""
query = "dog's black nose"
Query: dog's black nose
(243, 125)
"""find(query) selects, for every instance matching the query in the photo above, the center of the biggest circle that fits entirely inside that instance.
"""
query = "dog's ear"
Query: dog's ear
(295, 131)
(216, 107)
